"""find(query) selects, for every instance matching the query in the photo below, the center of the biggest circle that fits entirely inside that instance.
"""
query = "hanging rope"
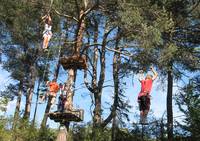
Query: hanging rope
(60, 46)
(46, 65)
(50, 7)
(133, 79)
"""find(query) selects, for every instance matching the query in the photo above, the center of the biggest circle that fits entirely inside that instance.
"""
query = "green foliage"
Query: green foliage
(167, 54)
(5, 134)
(25, 131)
(159, 32)
(128, 21)
(46, 134)
(85, 133)
(3, 103)
(189, 103)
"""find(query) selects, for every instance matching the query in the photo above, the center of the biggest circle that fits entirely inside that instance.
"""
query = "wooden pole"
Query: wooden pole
(63, 134)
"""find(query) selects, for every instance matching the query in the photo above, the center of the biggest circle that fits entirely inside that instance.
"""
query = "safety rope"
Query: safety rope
(132, 79)
(46, 65)
(60, 46)
(50, 7)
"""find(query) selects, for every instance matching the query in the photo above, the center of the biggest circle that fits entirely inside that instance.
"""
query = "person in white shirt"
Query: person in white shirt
(47, 34)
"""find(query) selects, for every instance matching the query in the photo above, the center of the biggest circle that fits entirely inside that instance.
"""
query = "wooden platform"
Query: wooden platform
(73, 62)
(67, 116)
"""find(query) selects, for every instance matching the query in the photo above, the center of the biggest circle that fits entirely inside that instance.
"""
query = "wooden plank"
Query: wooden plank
(67, 116)
(73, 62)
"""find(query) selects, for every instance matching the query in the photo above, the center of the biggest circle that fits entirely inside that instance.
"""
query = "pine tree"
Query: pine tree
(189, 103)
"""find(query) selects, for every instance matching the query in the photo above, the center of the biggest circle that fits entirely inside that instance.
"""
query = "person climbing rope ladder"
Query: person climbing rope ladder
(47, 34)
(64, 102)
(62, 98)
(52, 92)
(144, 95)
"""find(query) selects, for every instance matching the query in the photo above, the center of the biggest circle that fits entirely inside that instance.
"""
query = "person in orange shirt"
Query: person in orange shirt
(52, 92)
(144, 95)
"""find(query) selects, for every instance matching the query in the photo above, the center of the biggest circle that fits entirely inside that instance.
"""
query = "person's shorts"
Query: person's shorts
(144, 103)
(47, 34)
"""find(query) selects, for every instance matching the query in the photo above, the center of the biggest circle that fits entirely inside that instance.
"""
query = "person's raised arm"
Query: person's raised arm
(44, 18)
(47, 83)
(49, 18)
(155, 74)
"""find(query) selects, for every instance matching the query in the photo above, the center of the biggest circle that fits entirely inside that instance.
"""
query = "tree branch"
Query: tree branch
(67, 16)
(87, 83)
(113, 50)
(102, 56)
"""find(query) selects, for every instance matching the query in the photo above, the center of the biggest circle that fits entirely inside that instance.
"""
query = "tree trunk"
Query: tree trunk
(37, 98)
(97, 110)
(70, 93)
(169, 106)
(98, 89)
(63, 133)
(114, 127)
(162, 130)
(48, 107)
(29, 95)
(116, 62)
(80, 33)
(18, 103)
(97, 94)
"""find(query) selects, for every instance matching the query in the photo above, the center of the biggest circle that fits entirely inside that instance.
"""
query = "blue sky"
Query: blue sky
(82, 97)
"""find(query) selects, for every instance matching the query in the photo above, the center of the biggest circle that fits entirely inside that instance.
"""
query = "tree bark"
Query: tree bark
(80, 33)
(18, 103)
(97, 94)
(29, 95)
(162, 130)
(116, 59)
(70, 93)
(116, 62)
(48, 107)
(63, 132)
(169, 105)
(36, 105)
(98, 90)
